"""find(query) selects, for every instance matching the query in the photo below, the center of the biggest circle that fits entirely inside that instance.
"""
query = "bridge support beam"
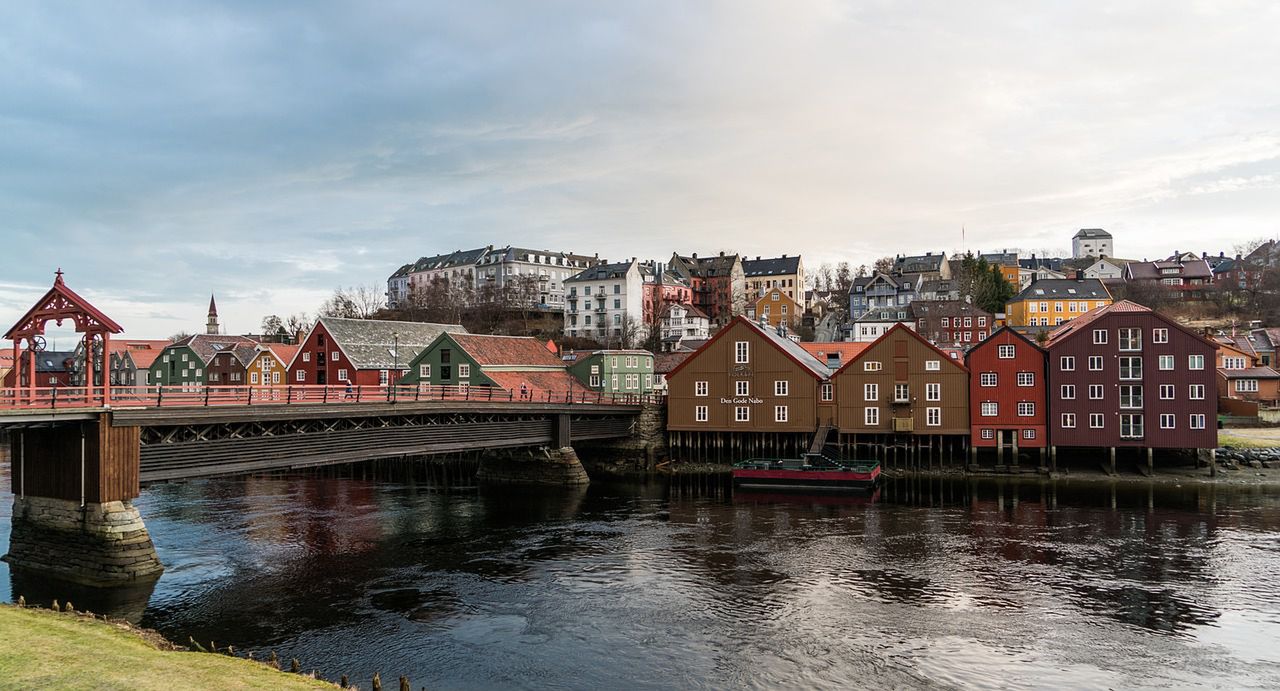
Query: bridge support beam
(73, 513)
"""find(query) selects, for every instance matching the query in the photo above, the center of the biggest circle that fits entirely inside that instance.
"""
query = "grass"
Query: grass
(42, 649)
(1240, 442)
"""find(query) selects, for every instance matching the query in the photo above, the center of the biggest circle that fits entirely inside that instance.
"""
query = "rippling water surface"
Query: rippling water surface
(929, 583)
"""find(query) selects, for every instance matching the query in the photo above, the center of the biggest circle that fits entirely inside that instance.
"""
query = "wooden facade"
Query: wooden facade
(47, 462)
(1007, 392)
(902, 384)
(1125, 376)
(775, 307)
(320, 361)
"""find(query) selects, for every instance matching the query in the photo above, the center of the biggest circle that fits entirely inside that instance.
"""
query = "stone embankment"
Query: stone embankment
(1252, 457)
(97, 544)
(556, 467)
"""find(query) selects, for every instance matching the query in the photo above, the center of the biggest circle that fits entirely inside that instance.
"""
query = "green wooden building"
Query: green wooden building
(186, 362)
(519, 364)
(613, 371)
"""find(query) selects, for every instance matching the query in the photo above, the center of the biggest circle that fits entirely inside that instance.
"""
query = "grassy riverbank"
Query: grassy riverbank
(42, 649)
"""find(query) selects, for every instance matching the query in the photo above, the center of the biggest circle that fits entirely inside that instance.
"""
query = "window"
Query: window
(1099, 336)
(1095, 392)
(199, 373)
(901, 393)
(1195, 362)
(990, 433)
(1130, 339)
(1068, 420)
(1095, 363)
(990, 409)
(1131, 426)
(1159, 335)
(595, 381)
(1026, 379)
(870, 392)
(342, 375)
(742, 387)
(987, 379)
(333, 356)
(946, 322)
(932, 365)
(1130, 395)
(1166, 392)
(1026, 409)
(872, 366)
(184, 357)
(1131, 367)
(1197, 421)
(1028, 434)
(781, 387)
(1166, 421)
(871, 416)
(779, 413)
(1005, 352)
(382, 377)
(742, 414)
(306, 357)
(827, 392)
(1097, 421)
(933, 392)
(700, 413)
(300, 376)
(1246, 385)
(1044, 307)
(1196, 392)
(699, 388)
(740, 352)
(464, 371)
(1166, 362)
(1057, 306)
(253, 377)
(613, 382)
(1068, 392)
(933, 417)
(1067, 363)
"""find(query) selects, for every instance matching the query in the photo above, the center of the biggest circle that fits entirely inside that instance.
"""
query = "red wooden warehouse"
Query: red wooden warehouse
(1007, 401)
(362, 352)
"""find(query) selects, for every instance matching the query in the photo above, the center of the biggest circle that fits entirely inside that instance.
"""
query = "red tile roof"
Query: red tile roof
(283, 351)
(847, 351)
(506, 350)
(538, 383)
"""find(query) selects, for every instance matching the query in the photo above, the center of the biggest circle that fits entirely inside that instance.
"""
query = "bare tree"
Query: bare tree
(823, 278)
(883, 265)
(1247, 247)
(179, 336)
(297, 322)
(843, 283)
(272, 325)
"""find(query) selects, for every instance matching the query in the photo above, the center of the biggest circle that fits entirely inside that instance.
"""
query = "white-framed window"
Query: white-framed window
(1026, 379)
(990, 433)
(1095, 392)
(306, 357)
(1097, 420)
(184, 357)
(1099, 336)
(1166, 362)
(901, 393)
(1159, 335)
(700, 413)
(933, 391)
(1067, 363)
(1130, 339)
(1246, 385)
(870, 416)
(1195, 392)
(1068, 420)
(1166, 392)
(870, 392)
(990, 409)
(1005, 352)
(781, 387)
(987, 379)
(464, 371)
(827, 391)
(300, 375)
(199, 373)
(424, 371)
(1057, 306)
(779, 413)
(1026, 409)
(933, 417)
(253, 377)
(383, 377)
(1028, 434)
(1166, 420)
(333, 356)
(1195, 362)
(1130, 396)
(595, 381)
(742, 387)
(700, 388)
(741, 352)
(1196, 421)
(872, 366)
(932, 365)
(1131, 367)
(342, 375)
(742, 414)
(1095, 363)
(1068, 392)
(613, 382)
(1131, 426)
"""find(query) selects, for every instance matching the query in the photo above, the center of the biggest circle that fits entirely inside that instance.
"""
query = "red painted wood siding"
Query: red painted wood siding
(321, 357)
(1006, 394)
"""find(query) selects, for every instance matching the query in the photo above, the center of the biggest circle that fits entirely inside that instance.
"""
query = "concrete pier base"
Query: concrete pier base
(552, 467)
(101, 544)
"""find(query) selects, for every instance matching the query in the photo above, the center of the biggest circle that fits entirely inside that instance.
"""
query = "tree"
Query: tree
(358, 302)
(843, 283)
(1247, 247)
(179, 336)
(272, 325)
(883, 265)
(297, 322)
(824, 278)
(983, 284)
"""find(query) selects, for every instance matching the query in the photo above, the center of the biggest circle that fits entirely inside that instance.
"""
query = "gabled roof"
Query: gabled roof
(61, 301)
(665, 362)
(1064, 289)
(506, 351)
(1091, 233)
(1153, 271)
(402, 271)
(887, 314)
(690, 310)
(996, 333)
(1079, 324)
(946, 308)
(772, 266)
(843, 349)
(54, 361)
(794, 351)
(283, 352)
(206, 346)
(558, 381)
(893, 330)
(920, 263)
(601, 272)
(705, 267)
(368, 343)
(1250, 373)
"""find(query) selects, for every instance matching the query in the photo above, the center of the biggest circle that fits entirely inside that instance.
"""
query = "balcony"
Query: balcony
(904, 424)
(602, 309)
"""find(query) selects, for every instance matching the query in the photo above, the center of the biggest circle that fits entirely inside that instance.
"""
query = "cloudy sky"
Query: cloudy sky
(268, 152)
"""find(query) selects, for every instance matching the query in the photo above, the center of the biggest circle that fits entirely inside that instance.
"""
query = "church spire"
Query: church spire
(212, 325)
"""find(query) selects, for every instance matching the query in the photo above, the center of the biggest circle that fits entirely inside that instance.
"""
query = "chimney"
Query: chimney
(722, 253)
(694, 255)
(757, 257)
(1079, 275)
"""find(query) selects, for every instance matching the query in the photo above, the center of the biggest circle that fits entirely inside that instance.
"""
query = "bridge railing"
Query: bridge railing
(68, 397)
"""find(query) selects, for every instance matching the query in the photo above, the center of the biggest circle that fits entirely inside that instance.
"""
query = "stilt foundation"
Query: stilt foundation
(99, 544)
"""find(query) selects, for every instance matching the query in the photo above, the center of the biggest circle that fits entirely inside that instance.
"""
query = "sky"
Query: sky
(267, 153)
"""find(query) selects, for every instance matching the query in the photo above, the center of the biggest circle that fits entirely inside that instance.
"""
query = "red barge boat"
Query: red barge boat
(813, 471)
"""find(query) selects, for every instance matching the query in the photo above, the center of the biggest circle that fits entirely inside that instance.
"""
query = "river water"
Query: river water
(947, 583)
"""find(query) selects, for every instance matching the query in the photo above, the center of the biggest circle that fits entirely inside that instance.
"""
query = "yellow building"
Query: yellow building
(775, 306)
(1050, 302)
(270, 366)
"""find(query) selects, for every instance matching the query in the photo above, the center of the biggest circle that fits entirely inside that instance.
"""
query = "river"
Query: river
(948, 583)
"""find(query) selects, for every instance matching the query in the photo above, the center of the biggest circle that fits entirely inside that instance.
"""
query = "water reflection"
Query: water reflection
(928, 581)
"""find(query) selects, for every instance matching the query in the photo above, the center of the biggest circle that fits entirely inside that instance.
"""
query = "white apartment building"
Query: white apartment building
(606, 303)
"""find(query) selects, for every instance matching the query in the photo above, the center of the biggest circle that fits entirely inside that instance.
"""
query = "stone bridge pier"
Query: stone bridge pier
(74, 483)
